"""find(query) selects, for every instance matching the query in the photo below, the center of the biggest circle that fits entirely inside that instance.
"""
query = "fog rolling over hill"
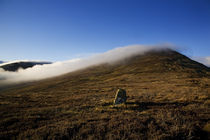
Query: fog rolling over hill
(168, 98)
(38, 72)
(26, 71)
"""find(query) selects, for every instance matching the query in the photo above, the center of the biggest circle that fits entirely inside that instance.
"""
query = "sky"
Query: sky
(57, 30)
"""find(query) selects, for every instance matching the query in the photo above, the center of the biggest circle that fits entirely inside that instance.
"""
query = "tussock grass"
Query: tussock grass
(168, 99)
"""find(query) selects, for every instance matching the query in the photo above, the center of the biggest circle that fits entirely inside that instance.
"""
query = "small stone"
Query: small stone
(120, 97)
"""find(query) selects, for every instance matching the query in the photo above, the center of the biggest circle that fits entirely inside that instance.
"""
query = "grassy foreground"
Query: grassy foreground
(167, 100)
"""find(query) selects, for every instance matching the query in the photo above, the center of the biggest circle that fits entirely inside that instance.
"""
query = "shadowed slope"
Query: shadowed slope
(168, 99)
(24, 65)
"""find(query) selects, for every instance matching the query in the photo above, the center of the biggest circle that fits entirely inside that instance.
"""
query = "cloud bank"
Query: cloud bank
(203, 60)
(39, 72)
(16, 61)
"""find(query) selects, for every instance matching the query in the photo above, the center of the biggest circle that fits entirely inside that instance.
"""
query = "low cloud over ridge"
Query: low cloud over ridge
(39, 72)
(203, 60)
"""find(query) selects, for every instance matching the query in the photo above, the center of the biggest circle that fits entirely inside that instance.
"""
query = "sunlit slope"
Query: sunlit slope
(165, 64)
(168, 99)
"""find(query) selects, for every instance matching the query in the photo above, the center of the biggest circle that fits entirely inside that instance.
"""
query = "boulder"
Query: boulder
(120, 97)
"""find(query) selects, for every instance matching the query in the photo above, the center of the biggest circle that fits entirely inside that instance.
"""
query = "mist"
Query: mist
(203, 60)
(39, 72)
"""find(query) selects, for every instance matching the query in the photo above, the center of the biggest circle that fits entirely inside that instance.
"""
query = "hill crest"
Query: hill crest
(168, 99)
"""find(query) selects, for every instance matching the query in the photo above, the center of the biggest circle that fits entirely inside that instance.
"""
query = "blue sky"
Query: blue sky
(58, 30)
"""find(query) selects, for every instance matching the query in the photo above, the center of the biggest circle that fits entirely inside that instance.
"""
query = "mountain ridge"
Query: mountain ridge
(168, 98)
(14, 66)
(155, 61)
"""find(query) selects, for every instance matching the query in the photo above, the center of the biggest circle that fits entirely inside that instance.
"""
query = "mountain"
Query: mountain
(168, 98)
(14, 66)
(1, 62)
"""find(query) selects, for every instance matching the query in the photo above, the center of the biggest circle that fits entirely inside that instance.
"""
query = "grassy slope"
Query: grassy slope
(168, 98)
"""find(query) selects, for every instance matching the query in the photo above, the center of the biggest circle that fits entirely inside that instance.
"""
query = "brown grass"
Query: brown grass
(162, 104)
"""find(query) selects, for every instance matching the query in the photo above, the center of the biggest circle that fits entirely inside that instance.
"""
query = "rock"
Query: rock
(120, 97)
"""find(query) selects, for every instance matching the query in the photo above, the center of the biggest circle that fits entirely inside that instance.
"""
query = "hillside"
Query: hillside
(169, 98)
(24, 65)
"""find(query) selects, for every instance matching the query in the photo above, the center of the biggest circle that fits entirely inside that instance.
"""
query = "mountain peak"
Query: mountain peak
(165, 60)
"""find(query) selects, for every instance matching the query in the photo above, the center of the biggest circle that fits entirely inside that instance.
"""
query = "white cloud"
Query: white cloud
(203, 60)
(16, 61)
(49, 70)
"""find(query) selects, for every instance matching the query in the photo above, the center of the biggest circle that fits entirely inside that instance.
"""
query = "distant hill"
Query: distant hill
(168, 98)
(1, 62)
(24, 65)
